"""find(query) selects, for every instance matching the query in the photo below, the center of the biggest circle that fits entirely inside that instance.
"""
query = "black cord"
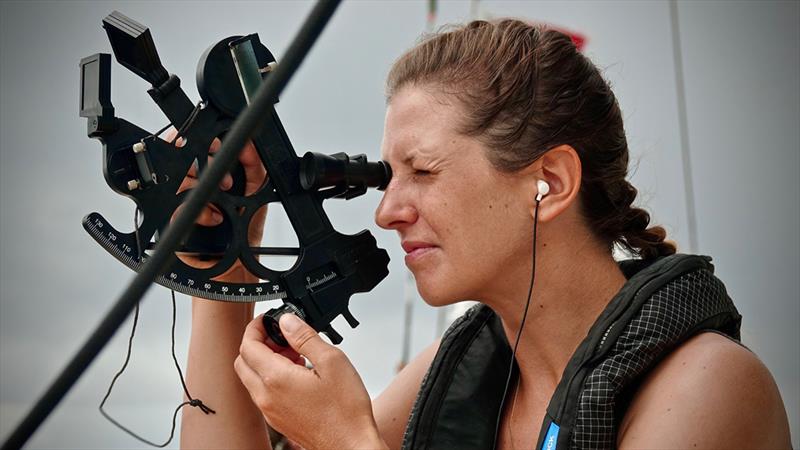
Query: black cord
(521, 325)
(182, 129)
(191, 402)
(187, 123)
(139, 247)
(158, 133)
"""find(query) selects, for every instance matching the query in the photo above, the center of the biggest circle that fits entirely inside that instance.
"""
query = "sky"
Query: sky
(743, 105)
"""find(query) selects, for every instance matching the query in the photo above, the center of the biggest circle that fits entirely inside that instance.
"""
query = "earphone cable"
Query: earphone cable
(521, 326)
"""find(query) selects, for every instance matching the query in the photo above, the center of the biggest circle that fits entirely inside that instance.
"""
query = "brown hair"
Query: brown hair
(526, 89)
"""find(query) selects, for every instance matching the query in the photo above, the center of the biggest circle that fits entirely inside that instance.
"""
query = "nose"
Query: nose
(395, 209)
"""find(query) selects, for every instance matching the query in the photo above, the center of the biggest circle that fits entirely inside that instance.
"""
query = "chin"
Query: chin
(438, 294)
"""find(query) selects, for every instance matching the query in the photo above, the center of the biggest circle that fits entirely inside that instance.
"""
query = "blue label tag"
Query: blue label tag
(551, 439)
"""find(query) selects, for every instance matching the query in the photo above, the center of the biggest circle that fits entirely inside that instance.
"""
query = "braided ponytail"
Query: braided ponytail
(632, 233)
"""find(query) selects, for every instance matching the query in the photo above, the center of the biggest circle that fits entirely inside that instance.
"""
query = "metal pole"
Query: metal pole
(409, 285)
(683, 124)
(410, 294)
(243, 129)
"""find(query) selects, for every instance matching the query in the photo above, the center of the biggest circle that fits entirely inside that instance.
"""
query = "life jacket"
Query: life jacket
(664, 302)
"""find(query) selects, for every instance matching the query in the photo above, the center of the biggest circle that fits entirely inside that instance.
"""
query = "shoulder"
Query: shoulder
(393, 406)
(710, 392)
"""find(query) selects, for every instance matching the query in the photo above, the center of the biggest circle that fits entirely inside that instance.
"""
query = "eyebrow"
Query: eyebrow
(409, 159)
(412, 155)
(416, 153)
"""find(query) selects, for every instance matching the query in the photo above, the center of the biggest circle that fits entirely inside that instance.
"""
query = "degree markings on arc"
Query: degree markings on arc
(123, 252)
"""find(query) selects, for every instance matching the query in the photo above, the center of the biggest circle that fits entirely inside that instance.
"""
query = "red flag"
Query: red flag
(577, 38)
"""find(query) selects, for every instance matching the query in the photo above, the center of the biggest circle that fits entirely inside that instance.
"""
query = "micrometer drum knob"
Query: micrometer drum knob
(272, 318)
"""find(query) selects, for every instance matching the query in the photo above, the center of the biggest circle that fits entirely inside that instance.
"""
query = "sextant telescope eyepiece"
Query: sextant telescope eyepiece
(318, 171)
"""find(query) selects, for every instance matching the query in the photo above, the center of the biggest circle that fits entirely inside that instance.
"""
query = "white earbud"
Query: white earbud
(543, 188)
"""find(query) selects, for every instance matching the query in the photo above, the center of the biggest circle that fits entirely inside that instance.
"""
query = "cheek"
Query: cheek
(468, 207)
(482, 217)
(479, 228)
(491, 235)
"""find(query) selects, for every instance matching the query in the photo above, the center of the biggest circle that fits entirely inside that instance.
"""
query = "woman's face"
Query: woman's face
(465, 227)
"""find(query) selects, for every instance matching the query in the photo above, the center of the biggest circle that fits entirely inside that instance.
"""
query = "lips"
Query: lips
(416, 250)
(410, 246)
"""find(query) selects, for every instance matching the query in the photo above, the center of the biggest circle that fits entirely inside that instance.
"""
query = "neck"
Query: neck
(574, 281)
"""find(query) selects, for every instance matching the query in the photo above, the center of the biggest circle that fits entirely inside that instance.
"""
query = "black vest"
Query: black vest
(663, 303)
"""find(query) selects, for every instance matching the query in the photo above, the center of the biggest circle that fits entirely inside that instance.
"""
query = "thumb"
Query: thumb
(301, 337)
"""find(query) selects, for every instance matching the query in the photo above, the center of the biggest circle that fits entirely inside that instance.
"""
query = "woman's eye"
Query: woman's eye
(420, 172)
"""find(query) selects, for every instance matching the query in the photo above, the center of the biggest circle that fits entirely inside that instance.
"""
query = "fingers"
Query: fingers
(287, 352)
(210, 216)
(226, 182)
(215, 146)
(255, 173)
(307, 342)
(251, 381)
(255, 330)
(257, 386)
(264, 356)
(282, 391)
(254, 170)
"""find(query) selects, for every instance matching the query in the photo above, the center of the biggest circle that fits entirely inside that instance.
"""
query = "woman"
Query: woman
(509, 160)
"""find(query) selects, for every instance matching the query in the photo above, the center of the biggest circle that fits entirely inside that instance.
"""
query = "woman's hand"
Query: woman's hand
(255, 177)
(324, 407)
(217, 329)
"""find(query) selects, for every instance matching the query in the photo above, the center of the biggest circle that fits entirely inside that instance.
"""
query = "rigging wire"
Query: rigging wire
(244, 126)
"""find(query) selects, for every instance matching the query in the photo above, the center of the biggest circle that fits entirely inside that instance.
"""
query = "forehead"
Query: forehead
(419, 123)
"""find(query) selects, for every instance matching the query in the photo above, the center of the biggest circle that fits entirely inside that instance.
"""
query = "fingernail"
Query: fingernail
(227, 182)
(290, 323)
(216, 217)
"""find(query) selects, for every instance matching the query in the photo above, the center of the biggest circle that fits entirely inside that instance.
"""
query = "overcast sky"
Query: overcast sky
(743, 102)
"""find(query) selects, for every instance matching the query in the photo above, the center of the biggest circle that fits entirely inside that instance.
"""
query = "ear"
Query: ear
(560, 167)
